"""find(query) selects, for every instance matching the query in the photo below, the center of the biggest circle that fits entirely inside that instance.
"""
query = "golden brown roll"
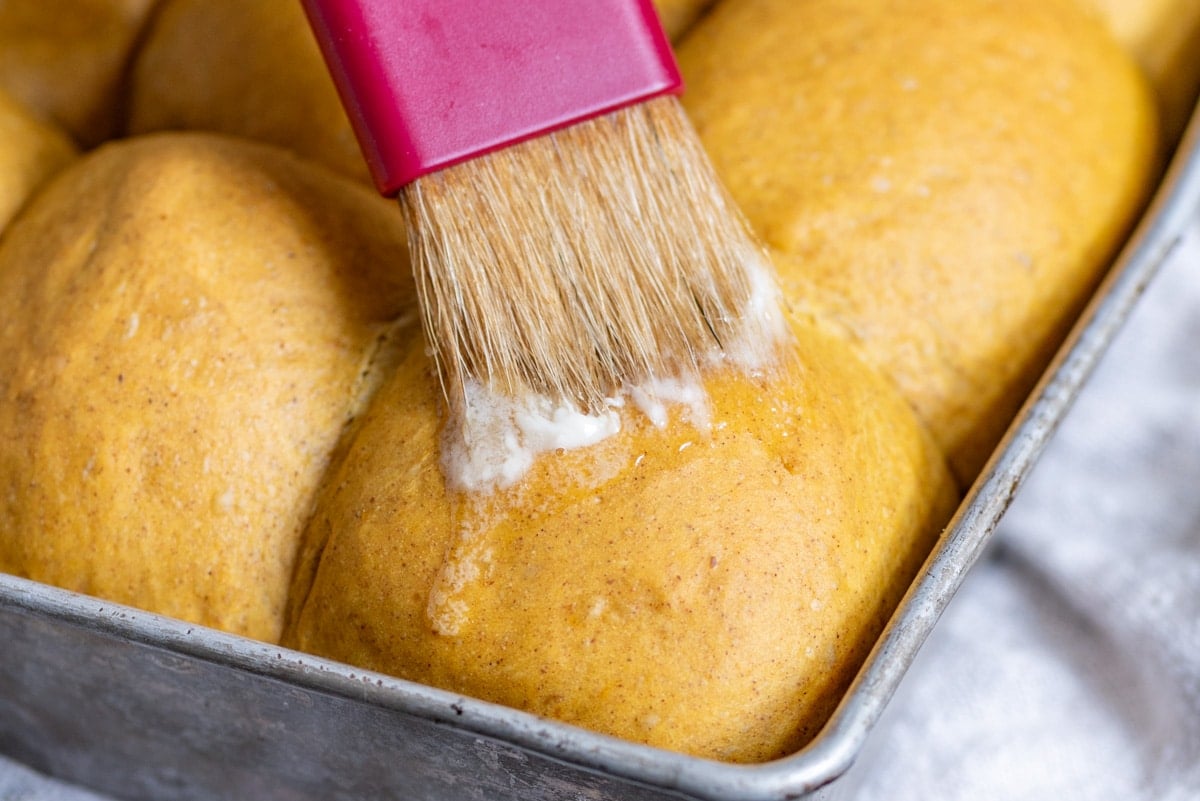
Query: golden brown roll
(31, 150)
(678, 16)
(249, 68)
(943, 179)
(708, 584)
(67, 59)
(185, 322)
(1164, 37)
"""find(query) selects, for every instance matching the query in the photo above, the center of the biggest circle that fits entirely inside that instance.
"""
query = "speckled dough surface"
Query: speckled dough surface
(709, 590)
(944, 179)
(184, 322)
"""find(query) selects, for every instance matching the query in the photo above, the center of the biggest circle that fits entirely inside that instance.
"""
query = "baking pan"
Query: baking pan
(145, 707)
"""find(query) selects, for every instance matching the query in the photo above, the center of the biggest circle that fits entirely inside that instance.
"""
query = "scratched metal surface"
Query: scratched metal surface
(144, 707)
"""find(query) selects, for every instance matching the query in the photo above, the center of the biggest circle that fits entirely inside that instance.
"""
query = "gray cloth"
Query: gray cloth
(1068, 667)
(19, 783)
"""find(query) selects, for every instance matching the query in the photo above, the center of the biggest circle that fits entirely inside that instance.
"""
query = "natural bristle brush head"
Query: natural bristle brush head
(568, 234)
(601, 255)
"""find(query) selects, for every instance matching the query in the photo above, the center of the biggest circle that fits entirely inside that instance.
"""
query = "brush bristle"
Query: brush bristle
(596, 257)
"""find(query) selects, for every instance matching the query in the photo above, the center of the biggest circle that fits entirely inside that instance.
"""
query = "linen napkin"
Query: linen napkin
(19, 783)
(1068, 666)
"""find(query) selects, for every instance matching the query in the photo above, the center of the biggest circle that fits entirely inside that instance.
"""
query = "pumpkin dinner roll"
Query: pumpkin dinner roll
(706, 576)
(678, 16)
(1164, 37)
(248, 68)
(67, 59)
(31, 150)
(944, 180)
(185, 323)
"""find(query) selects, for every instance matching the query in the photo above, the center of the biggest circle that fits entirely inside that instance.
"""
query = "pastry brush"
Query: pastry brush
(569, 236)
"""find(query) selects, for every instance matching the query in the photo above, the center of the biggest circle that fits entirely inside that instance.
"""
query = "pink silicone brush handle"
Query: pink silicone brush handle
(431, 83)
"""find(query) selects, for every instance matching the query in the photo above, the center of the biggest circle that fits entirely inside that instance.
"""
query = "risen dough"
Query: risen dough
(67, 59)
(710, 589)
(944, 179)
(31, 150)
(184, 325)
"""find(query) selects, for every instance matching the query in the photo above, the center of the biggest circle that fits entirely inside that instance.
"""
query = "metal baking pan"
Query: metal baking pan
(144, 707)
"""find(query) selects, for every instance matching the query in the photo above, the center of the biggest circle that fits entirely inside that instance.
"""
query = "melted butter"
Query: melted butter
(764, 325)
(494, 440)
(497, 438)
(447, 607)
